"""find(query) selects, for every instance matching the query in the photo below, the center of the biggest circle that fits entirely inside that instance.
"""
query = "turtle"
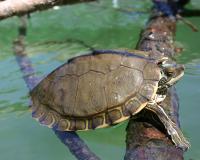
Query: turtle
(104, 88)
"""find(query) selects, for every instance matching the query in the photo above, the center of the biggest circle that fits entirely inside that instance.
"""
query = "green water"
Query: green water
(22, 138)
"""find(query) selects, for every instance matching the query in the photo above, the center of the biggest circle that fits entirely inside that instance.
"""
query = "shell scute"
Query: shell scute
(63, 125)
(64, 94)
(102, 62)
(148, 89)
(132, 106)
(39, 112)
(79, 66)
(134, 62)
(113, 116)
(80, 124)
(90, 98)
(152, 72)
(50, 119)
(97, 121)
(122, 83)
(77, 124)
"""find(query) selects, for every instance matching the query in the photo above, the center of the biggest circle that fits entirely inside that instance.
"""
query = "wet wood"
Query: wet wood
(147, 138)
(10, 8)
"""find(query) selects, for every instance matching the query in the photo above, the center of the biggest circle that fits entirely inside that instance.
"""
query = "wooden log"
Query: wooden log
(147, 138)
(10, 8)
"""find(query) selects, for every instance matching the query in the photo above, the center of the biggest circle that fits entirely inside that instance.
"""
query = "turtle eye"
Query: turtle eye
(170, 71)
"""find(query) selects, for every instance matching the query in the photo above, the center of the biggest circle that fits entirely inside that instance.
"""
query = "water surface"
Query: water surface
(21, 137)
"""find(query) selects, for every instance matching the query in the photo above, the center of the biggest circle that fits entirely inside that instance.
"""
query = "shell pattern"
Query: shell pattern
(95, 91)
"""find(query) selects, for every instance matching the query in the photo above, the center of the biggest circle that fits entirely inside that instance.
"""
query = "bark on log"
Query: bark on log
(10, 8)
(147, 138)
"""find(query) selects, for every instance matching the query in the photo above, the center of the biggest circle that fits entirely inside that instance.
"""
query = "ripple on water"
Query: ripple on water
(13, 93)
(193, 68)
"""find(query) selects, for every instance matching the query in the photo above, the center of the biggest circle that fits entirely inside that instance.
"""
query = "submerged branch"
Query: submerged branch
(70, 139)
(10, 8)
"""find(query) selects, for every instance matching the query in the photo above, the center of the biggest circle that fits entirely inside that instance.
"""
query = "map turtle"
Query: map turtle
(104, 88)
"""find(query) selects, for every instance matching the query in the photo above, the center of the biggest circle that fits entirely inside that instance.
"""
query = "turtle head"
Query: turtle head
(171, 73)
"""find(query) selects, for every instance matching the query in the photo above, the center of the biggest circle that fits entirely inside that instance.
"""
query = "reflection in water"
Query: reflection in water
(74, 143)
(115, 3)
(193, 68)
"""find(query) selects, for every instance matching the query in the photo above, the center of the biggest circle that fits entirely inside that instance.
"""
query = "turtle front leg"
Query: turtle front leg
(172, 129)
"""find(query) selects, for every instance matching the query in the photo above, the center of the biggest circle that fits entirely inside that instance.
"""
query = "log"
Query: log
(146, 137)
(10, 8)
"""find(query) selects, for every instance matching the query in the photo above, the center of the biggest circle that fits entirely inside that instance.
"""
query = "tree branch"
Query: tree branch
(10, 8)
(147, 138)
